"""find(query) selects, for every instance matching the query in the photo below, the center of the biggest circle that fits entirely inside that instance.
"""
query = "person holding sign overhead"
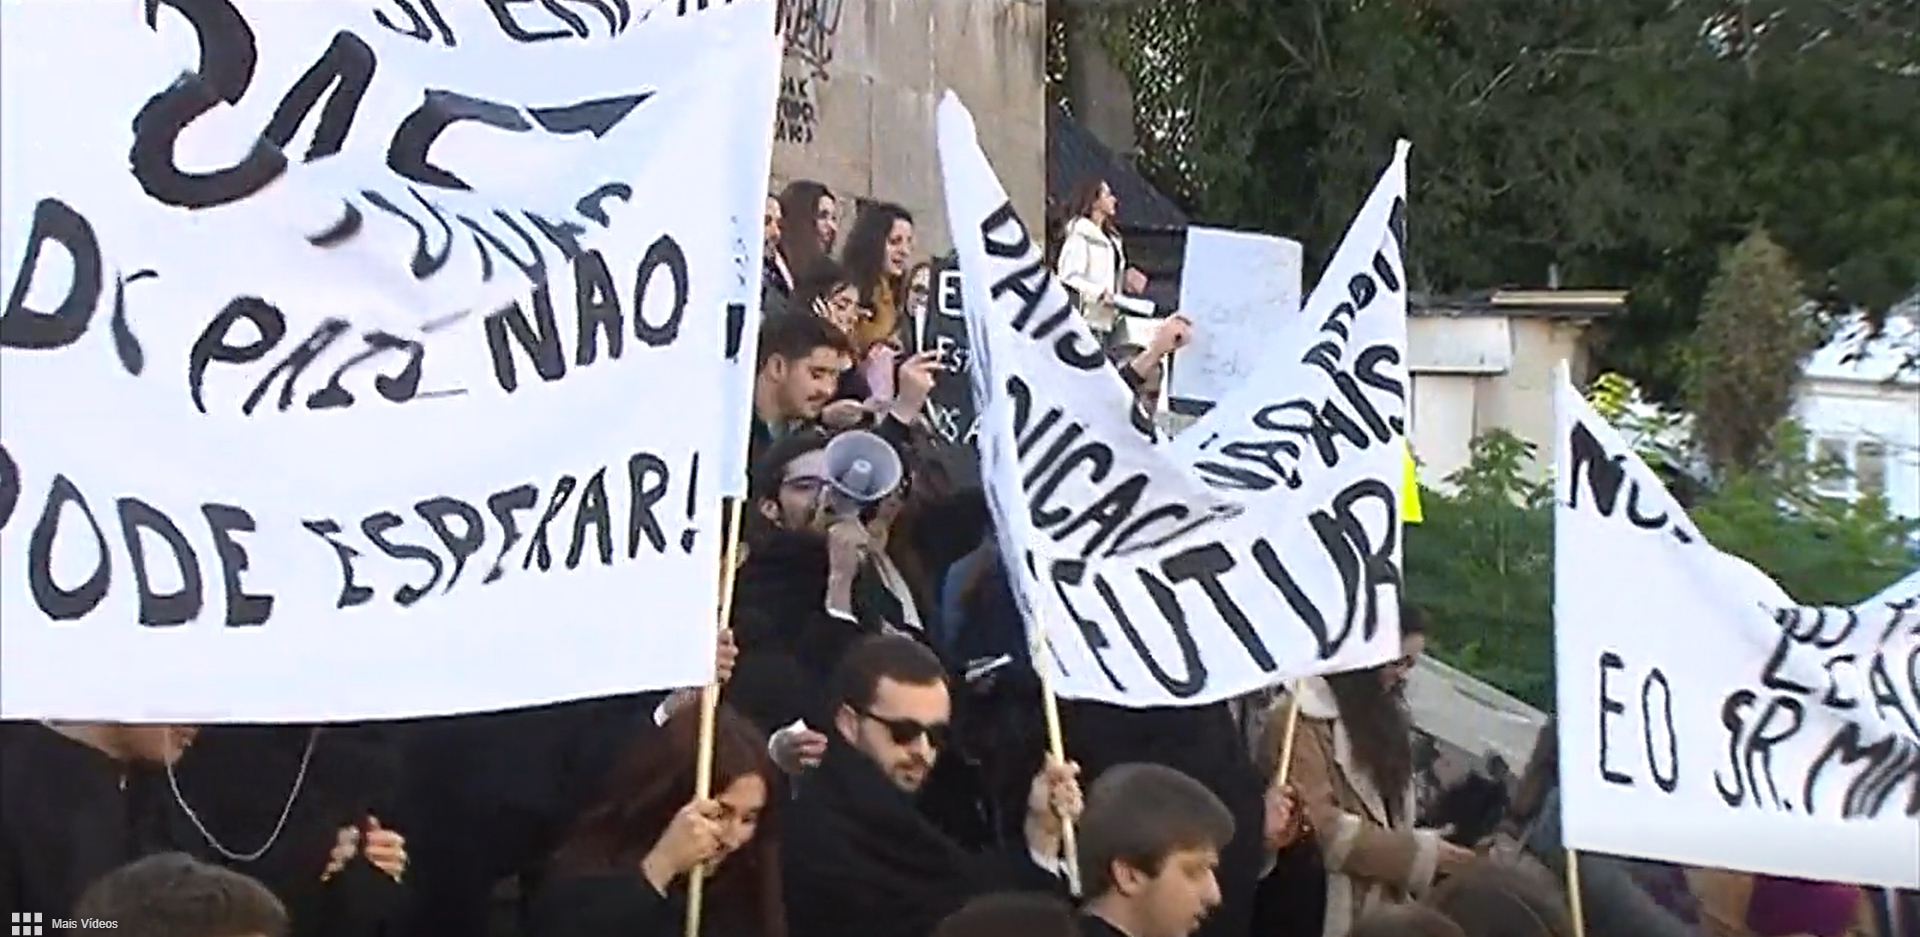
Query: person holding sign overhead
(1093, 263)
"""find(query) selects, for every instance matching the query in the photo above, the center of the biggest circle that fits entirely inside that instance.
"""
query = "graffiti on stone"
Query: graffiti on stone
(796, 114)
(810, 27)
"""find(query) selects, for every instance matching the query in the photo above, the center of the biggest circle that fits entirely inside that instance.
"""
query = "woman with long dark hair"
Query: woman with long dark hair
(622, 870)
(1353, 771)
(809, 223)
(1092, 263)
(878, 251)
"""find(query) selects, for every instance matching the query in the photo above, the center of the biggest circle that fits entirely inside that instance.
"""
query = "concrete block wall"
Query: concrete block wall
(860, 84)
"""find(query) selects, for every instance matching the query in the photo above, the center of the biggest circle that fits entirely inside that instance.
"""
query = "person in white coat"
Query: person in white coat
(1093, 262)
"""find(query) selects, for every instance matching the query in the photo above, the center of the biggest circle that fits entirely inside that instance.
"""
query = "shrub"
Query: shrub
(1481, 566)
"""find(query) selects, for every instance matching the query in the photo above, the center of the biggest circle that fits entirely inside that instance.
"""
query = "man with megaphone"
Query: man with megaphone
(817, 578)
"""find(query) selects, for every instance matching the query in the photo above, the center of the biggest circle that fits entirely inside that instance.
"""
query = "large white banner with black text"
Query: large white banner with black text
(257, 433)
(1152, 586)
(1705, 718)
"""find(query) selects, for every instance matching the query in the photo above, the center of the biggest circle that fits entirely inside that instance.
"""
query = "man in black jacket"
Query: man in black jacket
(859, 856)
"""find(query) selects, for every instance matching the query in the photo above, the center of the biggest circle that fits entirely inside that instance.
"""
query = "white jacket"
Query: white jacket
(1090, 265)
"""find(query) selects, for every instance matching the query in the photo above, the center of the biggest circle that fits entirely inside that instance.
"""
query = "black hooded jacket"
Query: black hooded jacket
(860, 858)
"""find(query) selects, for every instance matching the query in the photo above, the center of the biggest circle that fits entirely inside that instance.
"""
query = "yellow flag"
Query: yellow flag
(1409, 487)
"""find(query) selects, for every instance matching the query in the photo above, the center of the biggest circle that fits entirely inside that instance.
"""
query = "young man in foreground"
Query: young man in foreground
(1150, 840)
(174, 895)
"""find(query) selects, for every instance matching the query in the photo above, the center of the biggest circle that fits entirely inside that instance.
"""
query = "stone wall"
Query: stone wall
(861, 81)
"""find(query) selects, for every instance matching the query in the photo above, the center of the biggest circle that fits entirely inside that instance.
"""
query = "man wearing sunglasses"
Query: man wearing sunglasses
(860, 855)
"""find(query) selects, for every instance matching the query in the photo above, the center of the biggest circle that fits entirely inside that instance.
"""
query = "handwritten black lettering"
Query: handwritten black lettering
(598, 310)
(1346, 417)
(425, 262)
(223, 521)
(352, 593)
(1205, 565)
(9, 485)
(461, 545)
(417, 24)
(1656, 719)
(1175, 616)
(215, 345)
(1119, 520)
(1666, 778)
(143, 526)
(228, 56)
(1610, 706)
(1828, 667)
(616, 13)
(575, 528)
(181, 605)
(1605, 476)
(1881, 768)
(346, 70)
(1006, 238)
(1072, 573)
(409, 153)
(56, 222)
(504, 505)
(1751, 744)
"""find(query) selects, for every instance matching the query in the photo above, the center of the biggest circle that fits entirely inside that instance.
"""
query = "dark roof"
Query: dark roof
(1074, 153)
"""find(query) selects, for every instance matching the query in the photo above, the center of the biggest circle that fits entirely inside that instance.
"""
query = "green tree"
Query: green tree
(1747, 353)
(1481, 566)
(1621, 144)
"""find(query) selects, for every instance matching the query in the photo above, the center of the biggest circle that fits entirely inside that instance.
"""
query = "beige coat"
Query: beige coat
(1368, 863)
(1090, 264)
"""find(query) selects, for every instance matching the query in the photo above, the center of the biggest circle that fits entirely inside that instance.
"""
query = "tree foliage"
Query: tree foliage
(1481, 566)
(1747, 353)
(1620, 144)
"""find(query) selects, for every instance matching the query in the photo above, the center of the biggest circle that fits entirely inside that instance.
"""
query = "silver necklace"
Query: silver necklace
(279, 826)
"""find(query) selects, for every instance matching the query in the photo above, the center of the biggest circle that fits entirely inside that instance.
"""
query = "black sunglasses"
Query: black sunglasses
(909, 731)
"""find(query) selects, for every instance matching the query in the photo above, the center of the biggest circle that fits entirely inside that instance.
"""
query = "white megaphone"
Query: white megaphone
(861, 470)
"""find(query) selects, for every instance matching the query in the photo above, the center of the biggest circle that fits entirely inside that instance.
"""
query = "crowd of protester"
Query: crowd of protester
(879, 762)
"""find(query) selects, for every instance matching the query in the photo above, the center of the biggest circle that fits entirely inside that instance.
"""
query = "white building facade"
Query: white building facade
(1860, 406)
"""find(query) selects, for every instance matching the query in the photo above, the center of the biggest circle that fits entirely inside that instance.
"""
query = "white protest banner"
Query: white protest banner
(753, 155)
(1237, 288)
(469, 155)
(1333, 393)
(1704, 721)
(1148, 590)
(526, 512)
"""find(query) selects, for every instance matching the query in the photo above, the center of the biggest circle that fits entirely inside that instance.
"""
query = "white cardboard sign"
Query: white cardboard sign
(1239, 288)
